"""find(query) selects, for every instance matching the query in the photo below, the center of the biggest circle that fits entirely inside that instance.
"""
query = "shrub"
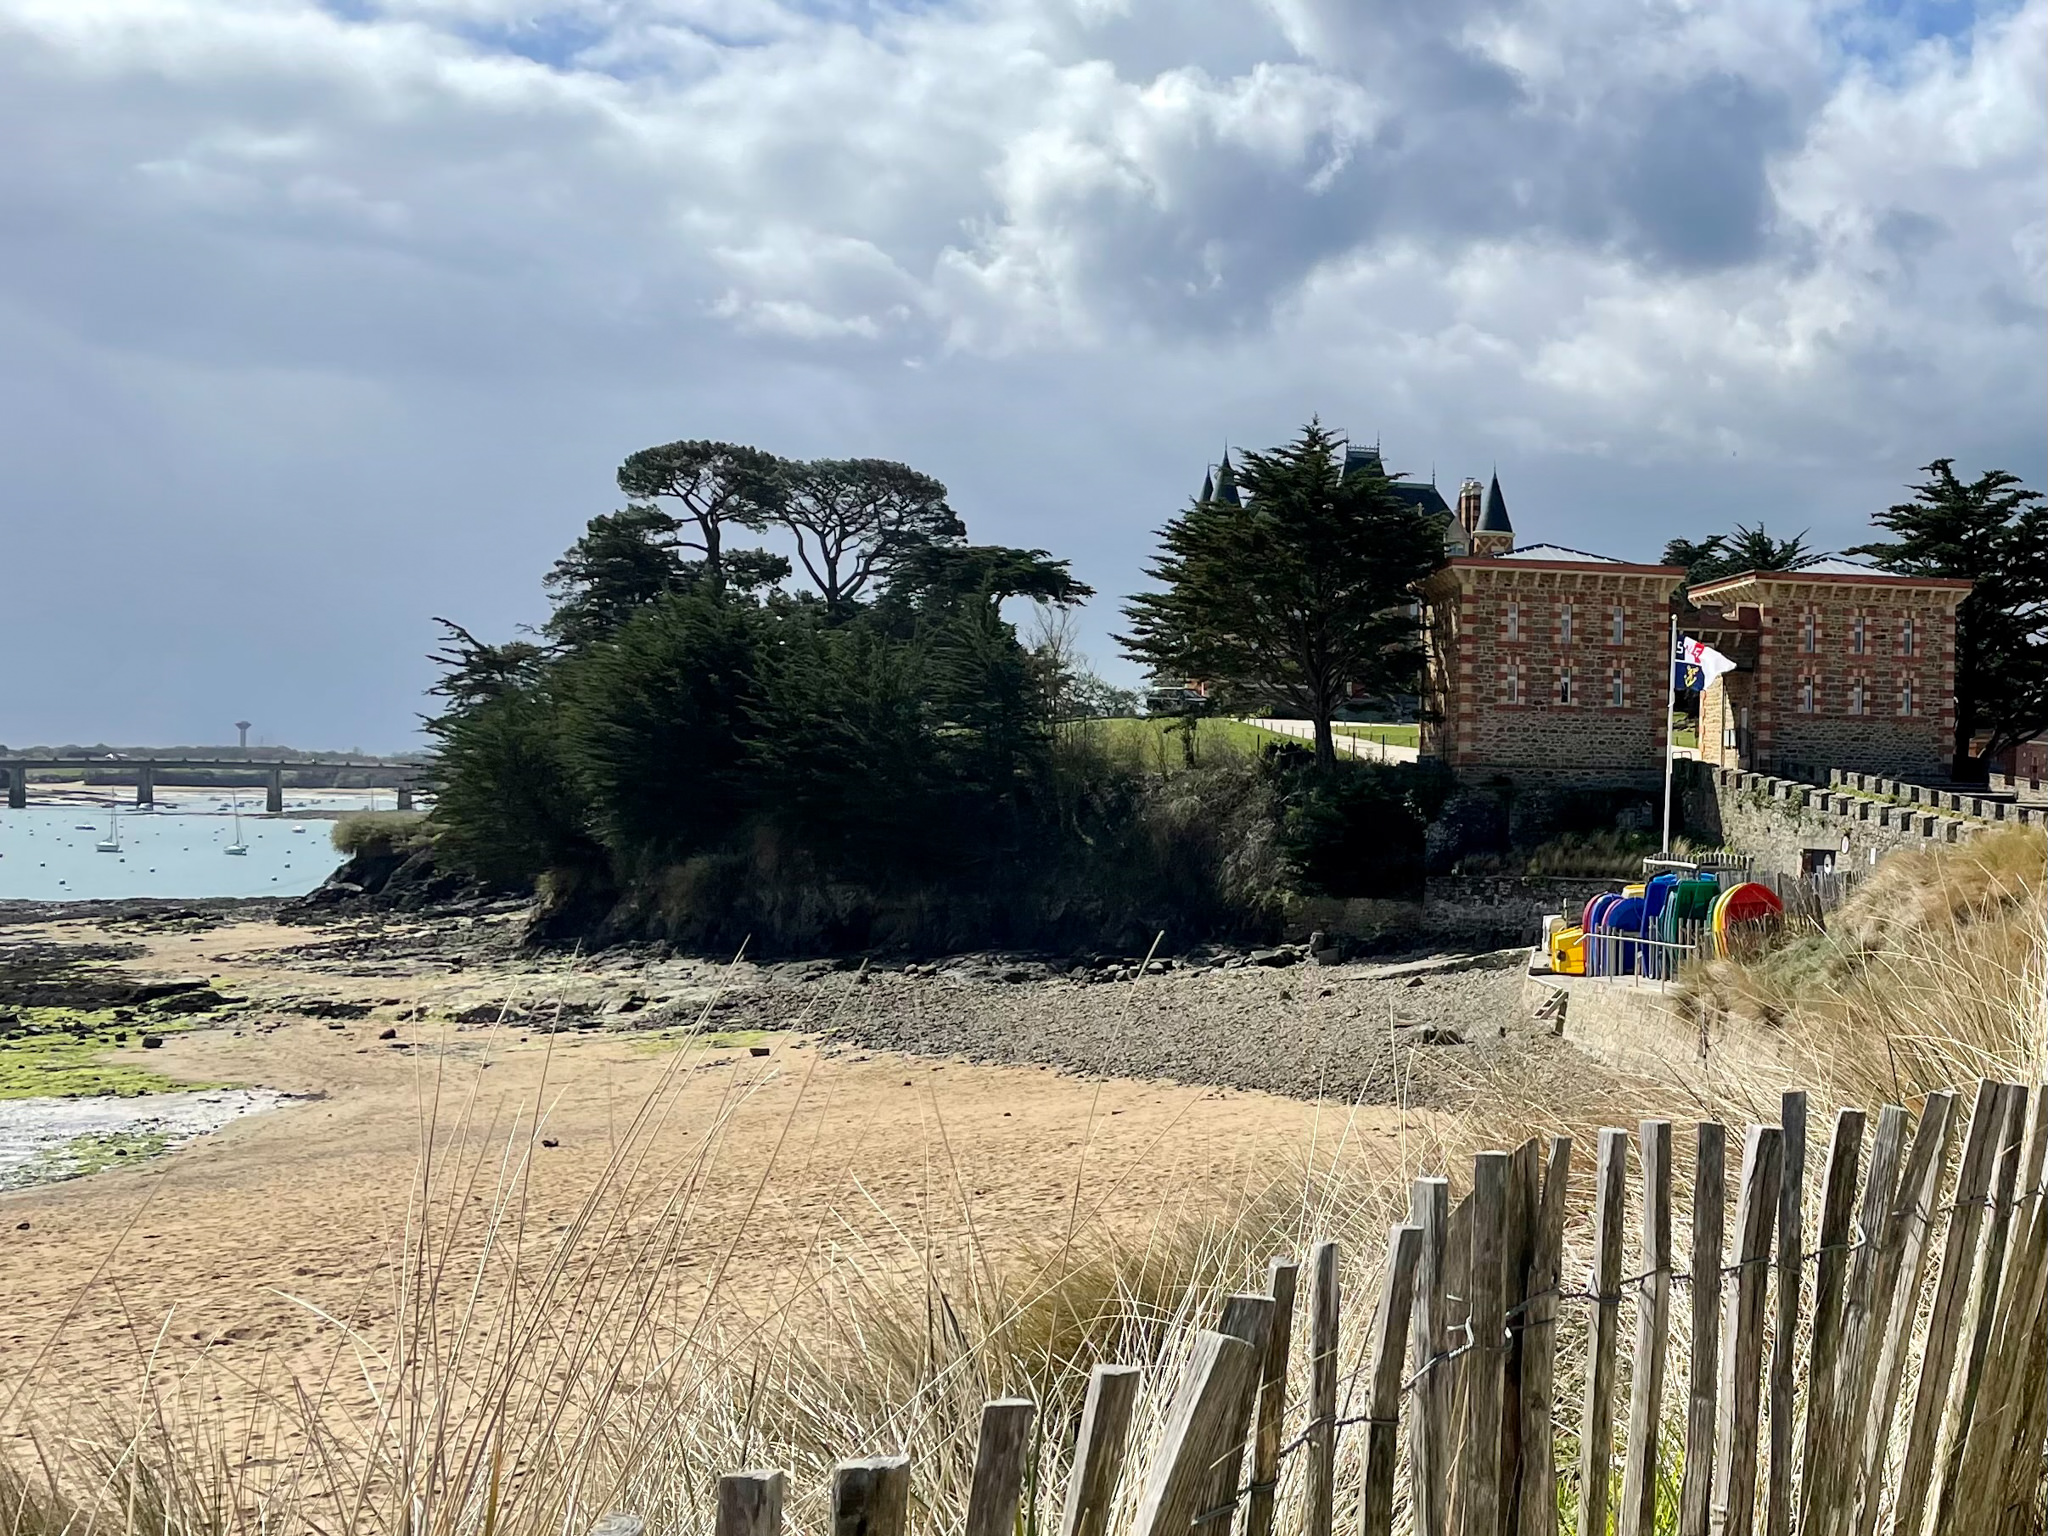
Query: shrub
(381, 832)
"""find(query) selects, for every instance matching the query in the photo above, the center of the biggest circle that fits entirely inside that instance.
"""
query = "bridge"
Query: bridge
(145, 769)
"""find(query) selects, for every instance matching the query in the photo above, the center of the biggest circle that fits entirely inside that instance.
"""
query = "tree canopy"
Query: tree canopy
(850, 516)
(1992, 531)
(1730, 554)
(1299, 597)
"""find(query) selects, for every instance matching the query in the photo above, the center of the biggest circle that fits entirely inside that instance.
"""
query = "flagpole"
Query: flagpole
(1670, 704)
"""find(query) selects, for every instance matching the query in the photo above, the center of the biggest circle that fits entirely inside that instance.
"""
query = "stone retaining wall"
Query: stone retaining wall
(1859, 817)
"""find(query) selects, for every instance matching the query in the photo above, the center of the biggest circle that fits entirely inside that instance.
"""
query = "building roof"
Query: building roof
(1421, 495)
(1494, 518)
(1208, 487)
(1226, 482)
(1832, 571)
(1558, 552)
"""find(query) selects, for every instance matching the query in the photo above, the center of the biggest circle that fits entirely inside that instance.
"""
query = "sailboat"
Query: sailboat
(237, 847)
(111, 843)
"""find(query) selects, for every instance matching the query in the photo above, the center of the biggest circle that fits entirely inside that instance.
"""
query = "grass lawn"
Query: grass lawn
(1156, 741)
(1392, 735)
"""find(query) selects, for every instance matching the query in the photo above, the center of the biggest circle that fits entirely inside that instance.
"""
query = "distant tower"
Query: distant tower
(1226, 482)
(243, 727)
(1471, 500)
(1208, 488)
(1495, 535)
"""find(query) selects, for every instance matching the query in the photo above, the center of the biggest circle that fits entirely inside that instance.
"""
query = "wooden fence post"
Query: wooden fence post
(1911, 1219)
(2032, 1385)
(1000, 1462)
(1250, 1318)
(1983, 1304)
(1785, 1336)
(1951, 1293)
(1742, 1335)
(871, 1497)
(1525, 1189)
(1835, 1450)
(1324, 1301)
(750, 1504)
(1198, 1420)
(1596, 1425)
(1709, 1212)
(1383, 1383)
(1838, 1204)
(1479, 1465)
(1268, 1426)
(1653, 1333)
(1100, 1448)
(1429, 1448)
(1994, 1437)
(1538, 1498)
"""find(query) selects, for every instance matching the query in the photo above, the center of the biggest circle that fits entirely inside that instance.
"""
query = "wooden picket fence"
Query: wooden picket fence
(1909, 1387)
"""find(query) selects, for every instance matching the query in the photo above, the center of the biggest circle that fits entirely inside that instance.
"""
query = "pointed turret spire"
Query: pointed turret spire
(1495, 535)
(1208, 487)
(1226, 482)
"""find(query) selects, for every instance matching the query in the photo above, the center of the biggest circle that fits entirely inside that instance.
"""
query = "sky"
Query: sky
(321, 318)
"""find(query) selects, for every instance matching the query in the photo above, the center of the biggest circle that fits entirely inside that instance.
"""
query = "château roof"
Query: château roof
(1494, 517)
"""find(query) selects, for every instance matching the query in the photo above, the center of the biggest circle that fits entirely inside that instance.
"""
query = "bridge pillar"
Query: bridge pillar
(17, 788)
(273, 799)
(145, 784)
(405, 797)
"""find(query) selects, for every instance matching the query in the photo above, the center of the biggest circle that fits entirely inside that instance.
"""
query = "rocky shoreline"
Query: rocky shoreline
(1288, 1019)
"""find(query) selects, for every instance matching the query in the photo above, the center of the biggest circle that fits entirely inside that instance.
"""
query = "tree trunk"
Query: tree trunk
(1963, 768)
(714, 567)
(1326, 741)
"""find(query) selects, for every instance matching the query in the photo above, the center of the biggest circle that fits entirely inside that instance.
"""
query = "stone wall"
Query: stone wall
(1456, 912)
(1777, 820)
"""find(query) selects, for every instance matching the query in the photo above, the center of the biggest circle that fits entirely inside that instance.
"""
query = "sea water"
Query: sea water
(48, 850)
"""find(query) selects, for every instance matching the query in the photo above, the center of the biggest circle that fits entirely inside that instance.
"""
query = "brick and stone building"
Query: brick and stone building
(1544, 665)
(1838, 666)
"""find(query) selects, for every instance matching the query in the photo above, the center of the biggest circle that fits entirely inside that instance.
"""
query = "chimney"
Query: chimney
(1471, 498)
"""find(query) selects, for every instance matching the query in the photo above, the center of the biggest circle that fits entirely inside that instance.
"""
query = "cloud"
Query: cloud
(425, 269)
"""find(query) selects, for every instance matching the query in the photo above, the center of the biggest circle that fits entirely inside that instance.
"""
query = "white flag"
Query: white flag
(1710, 662)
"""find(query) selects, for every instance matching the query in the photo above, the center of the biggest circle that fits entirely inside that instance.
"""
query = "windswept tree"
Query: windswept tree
(711, 485)
(624, 561)
(1992, 531)
(1298, 597)
(1730, 554)
(850, 516)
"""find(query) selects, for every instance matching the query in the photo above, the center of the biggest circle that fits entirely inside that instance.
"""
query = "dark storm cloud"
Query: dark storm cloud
(315, 322)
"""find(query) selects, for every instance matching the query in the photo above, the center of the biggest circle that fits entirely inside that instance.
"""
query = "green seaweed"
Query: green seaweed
(56, 1053)
(83, 1155)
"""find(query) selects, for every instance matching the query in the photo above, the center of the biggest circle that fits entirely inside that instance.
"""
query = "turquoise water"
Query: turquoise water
(48, 850)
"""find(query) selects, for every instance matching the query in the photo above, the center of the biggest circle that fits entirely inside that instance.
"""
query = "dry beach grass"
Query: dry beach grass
(526, 1349)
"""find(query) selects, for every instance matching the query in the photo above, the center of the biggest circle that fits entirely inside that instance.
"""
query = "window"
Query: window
(1809, 633)
(1511, 689)
(1618, 633)
(1617, 689)
(1564, 625)
(1564, 686)
(1857, 701)
(1514, 620)
(1906, 636)
(1856, 640)
(1806, 694)
(1906, 697)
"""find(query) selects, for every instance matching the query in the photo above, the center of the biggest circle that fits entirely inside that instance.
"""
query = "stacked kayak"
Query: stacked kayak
(1745, 911)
